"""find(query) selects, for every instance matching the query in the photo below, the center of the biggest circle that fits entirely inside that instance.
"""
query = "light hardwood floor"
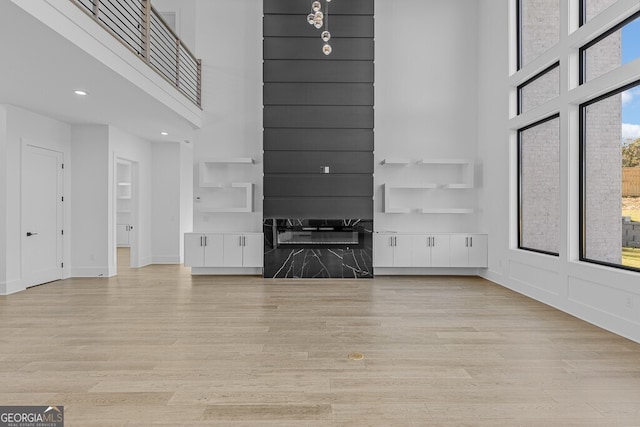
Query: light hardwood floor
(156, 347)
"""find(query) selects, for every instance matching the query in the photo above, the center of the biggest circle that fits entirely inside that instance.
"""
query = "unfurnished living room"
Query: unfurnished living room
(320, 213)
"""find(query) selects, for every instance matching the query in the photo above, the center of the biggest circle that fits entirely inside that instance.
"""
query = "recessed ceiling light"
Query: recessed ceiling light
(81, 92)
(164, 133)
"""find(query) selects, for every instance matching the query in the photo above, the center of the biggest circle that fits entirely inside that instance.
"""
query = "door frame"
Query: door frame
(134, 243)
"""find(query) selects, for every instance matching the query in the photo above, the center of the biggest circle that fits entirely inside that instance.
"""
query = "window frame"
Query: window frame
(582, 52)
(519, 183)
(531, 80)
(583, 176)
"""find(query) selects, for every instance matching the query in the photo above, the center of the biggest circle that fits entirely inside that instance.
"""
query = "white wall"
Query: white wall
(604, 296)
(90, 256)
(185, 11)
(229, 41)
(186, 193)
(22, 126)
(165, 203)
(426, 102)
(3, 198)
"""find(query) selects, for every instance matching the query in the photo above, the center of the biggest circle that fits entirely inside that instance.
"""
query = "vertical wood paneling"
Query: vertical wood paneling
(318, 111)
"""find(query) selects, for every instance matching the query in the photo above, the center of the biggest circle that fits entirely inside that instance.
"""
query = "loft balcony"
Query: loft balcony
(141, 29)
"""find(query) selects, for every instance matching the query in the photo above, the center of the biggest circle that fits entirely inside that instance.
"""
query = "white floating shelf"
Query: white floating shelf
(427, 186)
(229, 160)
(446, 211)
(395, 161)
(457, 186)
(124, 212)
(443, 162)
(124, 184)
(124, 197)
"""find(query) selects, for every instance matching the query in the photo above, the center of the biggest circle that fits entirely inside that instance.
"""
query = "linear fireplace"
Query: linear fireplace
(318, 248)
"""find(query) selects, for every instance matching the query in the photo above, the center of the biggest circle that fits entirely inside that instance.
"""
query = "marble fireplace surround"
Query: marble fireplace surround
(318, 248)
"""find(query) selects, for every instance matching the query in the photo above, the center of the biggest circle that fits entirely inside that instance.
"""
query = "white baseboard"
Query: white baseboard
(597, 316)
(226, 271)
(424, 271)
(90, 272)
(168, 259)
(8, 288)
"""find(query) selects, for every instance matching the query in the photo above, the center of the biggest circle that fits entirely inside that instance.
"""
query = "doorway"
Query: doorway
(42, 215)
(126, 202)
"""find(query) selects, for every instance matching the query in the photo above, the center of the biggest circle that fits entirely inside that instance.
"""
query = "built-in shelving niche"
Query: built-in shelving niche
(428, 186)
(222, 185)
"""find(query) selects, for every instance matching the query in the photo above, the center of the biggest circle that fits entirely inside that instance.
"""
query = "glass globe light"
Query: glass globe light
(311, 18)
(316, 6)
(326, 36)
(319, 15)
(326, 49)
(318, 23)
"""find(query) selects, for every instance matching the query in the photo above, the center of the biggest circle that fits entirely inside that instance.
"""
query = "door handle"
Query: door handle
(29, 234)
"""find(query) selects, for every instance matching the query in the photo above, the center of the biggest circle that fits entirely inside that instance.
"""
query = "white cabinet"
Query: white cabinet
(392, 250)
(203, 250)
(243, 250)
(429, 250)
(223, 250)
(469, 250)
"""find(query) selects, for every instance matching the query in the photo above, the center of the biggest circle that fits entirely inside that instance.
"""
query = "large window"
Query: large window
(610, 184)
(538, 28)
(590, 8)
(618, 46)
(539, 186)
(539, 89)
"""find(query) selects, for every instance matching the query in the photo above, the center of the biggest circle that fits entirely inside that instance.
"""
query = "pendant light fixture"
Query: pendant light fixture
(320, 19)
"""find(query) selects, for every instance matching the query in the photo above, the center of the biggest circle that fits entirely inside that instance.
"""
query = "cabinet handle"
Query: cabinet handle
(395, 241)
(201, 241)
(206, 241)
(466, 242)
(433, 242)
(244, 240)
(471, 241)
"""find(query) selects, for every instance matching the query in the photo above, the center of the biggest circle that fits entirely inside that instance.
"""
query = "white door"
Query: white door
(478, 250)
(382, 250)
(42, 208)
(193, 250)
(440, 251)
(233, 250)
(402, 250)
(459, 250)
(253, 250)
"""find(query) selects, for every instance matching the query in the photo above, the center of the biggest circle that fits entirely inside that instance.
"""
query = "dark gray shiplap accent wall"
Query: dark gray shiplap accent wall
(318, 111)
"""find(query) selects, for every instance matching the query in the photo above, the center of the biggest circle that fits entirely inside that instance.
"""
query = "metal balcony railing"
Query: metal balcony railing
(140, 27)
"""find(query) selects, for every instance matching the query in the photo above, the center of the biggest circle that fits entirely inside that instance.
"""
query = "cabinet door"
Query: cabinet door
(402, 250)
(213, 255)
(440, 251)
(194, 250)
(382, 250)
(253, 250)
(478, 249)
(420, 250)
(233, 250)
(459, 251)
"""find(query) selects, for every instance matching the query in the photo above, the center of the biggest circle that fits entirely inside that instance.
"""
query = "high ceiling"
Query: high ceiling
(41, 69)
